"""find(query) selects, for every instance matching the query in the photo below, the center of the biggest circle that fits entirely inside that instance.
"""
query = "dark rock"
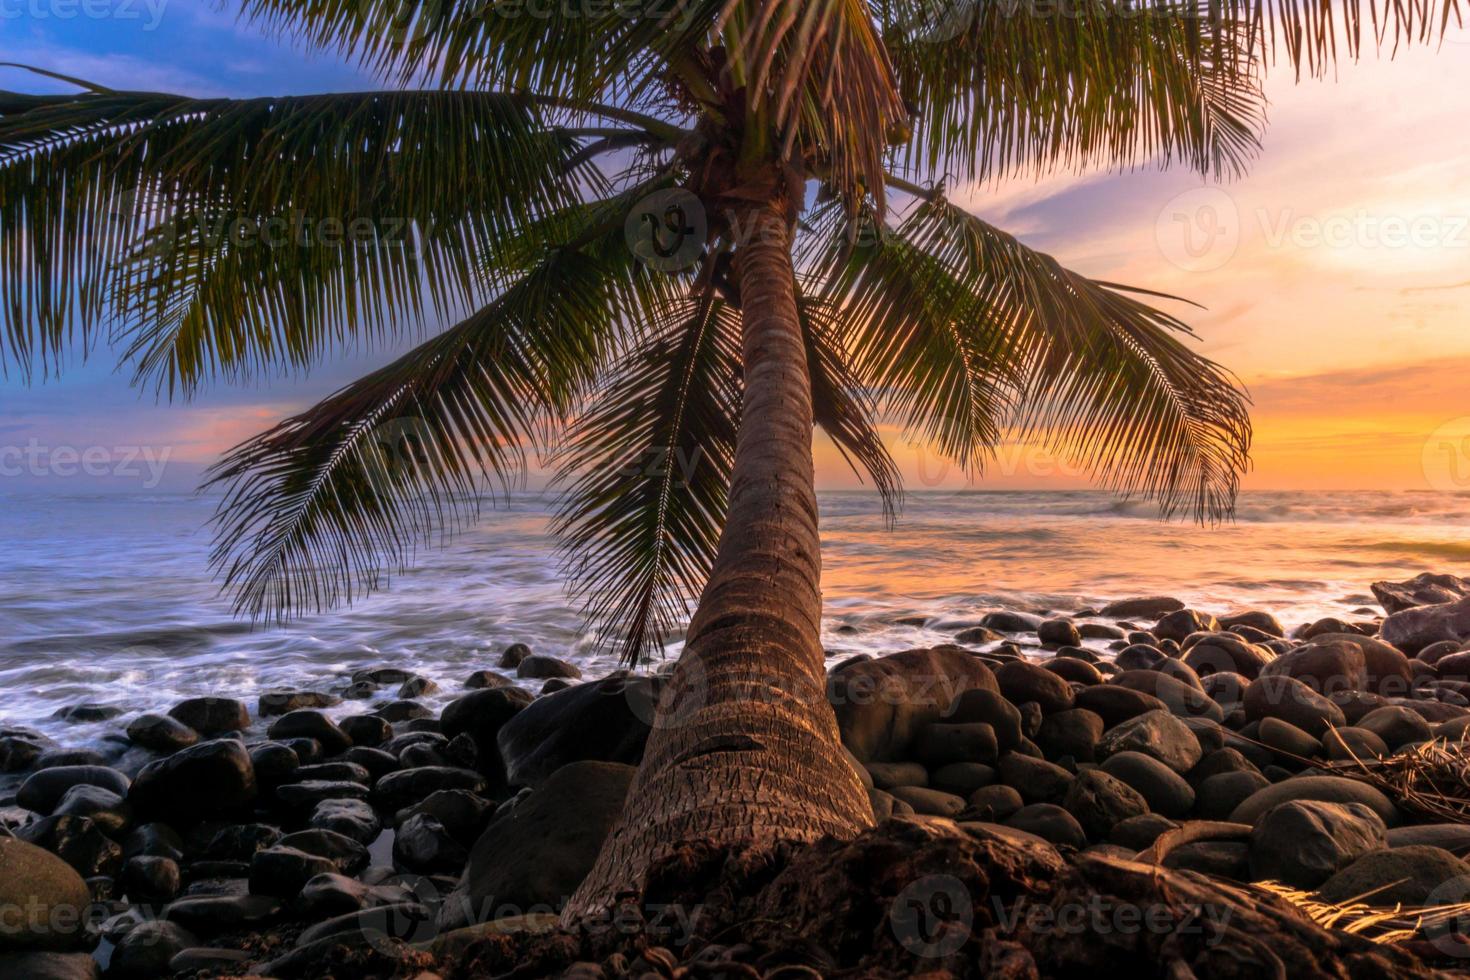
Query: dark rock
(1074, 670)
(1139, 833)
(52, 895)
(538, 851)
(1344, 744)
(1304, 842)
(1100, 801)
(109, 811)
(977, 635)
(148, 880)
(1158, 734)
(1073, 733)
(1011, 622)
(423, 844)
(1411, 630)
(886, 775)
(481, 714)
(882, 703)
(1327, 666)
(1422, 590)
(1452, 837)
(19, 750)
(43, 789)
(929, 802)
(990, 707)
(212, 716)
(1049, 822)
(1223, 859)
(461, 812)
(1022, 682)
(1151, 607)
(1140, 656)
(153, 840)
(1292, 701)
(377, 762)
(1037, 780)
(403, 710)
(1328, 789)
(304, 797)
(147, 949)
(993, 803)
(350, 818)
(1059, 632)
(1255, 619)
(940, 744)
(280, 872)
(1288, 741)
(963, 778)
(1178, 696)
(423, 754)
(1220, 795)
(1100, 631)
(1115, 705)
(1228, 759)
(408, 786)
(487, 678)
(210, 779)
(274, 703)
(161, 733)
(513, 655)
(329, 895)
(1216, 653)
(340, 771)
(417, 686)
(1415, 876)
(88, 712)
(1178, 625)
(309, 723)
(1165, 791)
(213, 914)
(539, 666)
(1396, 726)
(209, 961)
(78, 842)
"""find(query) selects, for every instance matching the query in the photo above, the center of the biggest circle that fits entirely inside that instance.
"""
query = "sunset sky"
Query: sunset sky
(1335, 278)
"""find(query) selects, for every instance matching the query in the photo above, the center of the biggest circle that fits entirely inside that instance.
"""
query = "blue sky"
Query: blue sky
(1355, 352)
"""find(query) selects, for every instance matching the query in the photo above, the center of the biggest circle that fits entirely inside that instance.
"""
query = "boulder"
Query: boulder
(1397, 726)
(1411, 630)
(147, 949)
(1214, 653)
(50, 896)
(1072, 733)
(1165, 791)
(929, 802)
(1327, 789)
(1037, 780)
(351, 818)
(212, 716)
(1415, 875)
(1221, 859)
(1327, 666)
(214, 914)
(161, 733)
(283, 702)
(1218, 796)
(109, 811)
(43, 789)
(1158, 734)
(886, 775)
(1302, 843)
(1006, 621)
(1255, 619)
(423, 844)
(1346, 744)
(539, 666)
(312, 724)
(1291, 700)
(963, 778)
(984, 705)
(537, 852)
(1074, 670)
(1022, 682)
(1425, 589)
(1289, 741)
(480, 715)
(1049, 822)
(346, 854)
(941, 743)
(1178, 625)
(1114, 704)
(1149, 607)
(408, 786)
(602, 721)
(993, 803)
(149, 879)
(1180, 697)
(211, 779)
(882, 703)
(511, 658)
(1059, 632)
(1099, 801)
(280, 872)
(487, 678)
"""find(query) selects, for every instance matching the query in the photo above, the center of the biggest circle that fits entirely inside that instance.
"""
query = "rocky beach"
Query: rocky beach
(1058, 792)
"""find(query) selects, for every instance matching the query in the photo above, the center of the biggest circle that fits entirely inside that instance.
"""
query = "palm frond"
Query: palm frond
(646, 470)
(1005, 88)
(224, 236)
(318, 510)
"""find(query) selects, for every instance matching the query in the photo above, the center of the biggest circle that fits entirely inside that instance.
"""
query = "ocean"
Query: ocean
(109, 598)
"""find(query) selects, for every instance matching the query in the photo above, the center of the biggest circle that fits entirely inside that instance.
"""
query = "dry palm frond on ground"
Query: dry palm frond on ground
(1395, 924)
(1431, 780)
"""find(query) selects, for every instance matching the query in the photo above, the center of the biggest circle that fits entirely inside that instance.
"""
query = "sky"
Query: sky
(1334, 279)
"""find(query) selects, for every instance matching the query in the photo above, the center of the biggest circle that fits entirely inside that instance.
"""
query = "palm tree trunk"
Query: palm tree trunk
(744, 746)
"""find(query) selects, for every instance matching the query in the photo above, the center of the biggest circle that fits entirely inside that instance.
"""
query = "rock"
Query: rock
(1165, 791)
(1037, 780)
(538, 851)
(109, 811)
(1222, 859)
(1074, 670)
(513, 655)
(1411, 630)
(1214, 653)
(309, 723)
(1421, 590)
(280, 872)
(153, 840)
(1255, 619)
(350, 818)
(417, 686)
(487, 678)
(1452, 837)
(346, 854)
(1328, 789)
(1327, 666)
(940, 744)
(1415, 875)
(1007, 621)
(49, 966)
(1073, 733)
(209, 961)
(480, 715)
(88, 712)
(461, 812)
(77, 841)
(1151, 607)
(1116, 704)
(211, 779)
(1100, 631)
(402, 710)
(1050, 823)
(213, 914)
(1302, 843)
(50, 896)
(963, 778)
(882, 703)
(1023, 682)
(602, 721)
(304, 797)
(212, 716)
(147, 879)
(161, 733)
(1059, 632)
(329, 895)
(147, 949)
(273, 703)
(1218, 796)
(1177, 696)
(993, 803)
(1388, 670)
(886, 775)
(1396, 726)
(1289, 741)
(1140, 656)
(1139, 833)
(540, 667)
(1345, 744)
(977, 635)
(1099, 801)
(984, 705)
(19, 750)
(1178, 625)
(1292, 701)
(408, 786)
(1156, 733)
(43, 789)
(423, 844)
(931, 802)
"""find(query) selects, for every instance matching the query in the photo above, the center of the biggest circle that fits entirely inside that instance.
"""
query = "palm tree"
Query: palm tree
(670, 228)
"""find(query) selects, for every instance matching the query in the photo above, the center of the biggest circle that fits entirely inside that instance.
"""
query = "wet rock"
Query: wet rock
(930, 802)
(304, 797)
(78, 842)
(882, 703)
(377, 762)
(408, 786)
(1074, 670)
(1165, 791)
(1073, 733)
(274, 703)
(52, 894)
(1178, 625)
(1327, 789)
(1327, 666)
(993, 803)
(1037, 780)
(1100, 631)
(19, 749)
(348, 855)
(461, 812)
(1422, 590)
(109, 811)
(1344, 744)
(538, 851)
(1150, 607)
(1214, 653)
(978, 635)
(513, 655)
(1139, 833)
(1099, 801)
(1049, 822)
(147, 949)
(1255, 619)
(941, 743)
(886, 775)
(1289, 741)
(482, 714)
(423, 844)
(539, 666)
(1411, 630)
(417, 686)
(153, 840)
(1059, 632)
(1220, 795)
(43, 789)
(1223, 859)
(280, 872)
(273, 763)
(1415, 875)
(1022, 682)
(212, 716)
(1396, 726)
(308, 723)
(423, 754)
(487, 678)
(150, 880)
(88, 711)
(1178, 696)
(1006, 621)
(329, 895)
(351, 818)
(161, 733)
(990, 707)
(1304, 842)
(963, 778)
(1140, 656)
(213, 914)
(214, 778)
(1291, 701)
(1158, 734)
